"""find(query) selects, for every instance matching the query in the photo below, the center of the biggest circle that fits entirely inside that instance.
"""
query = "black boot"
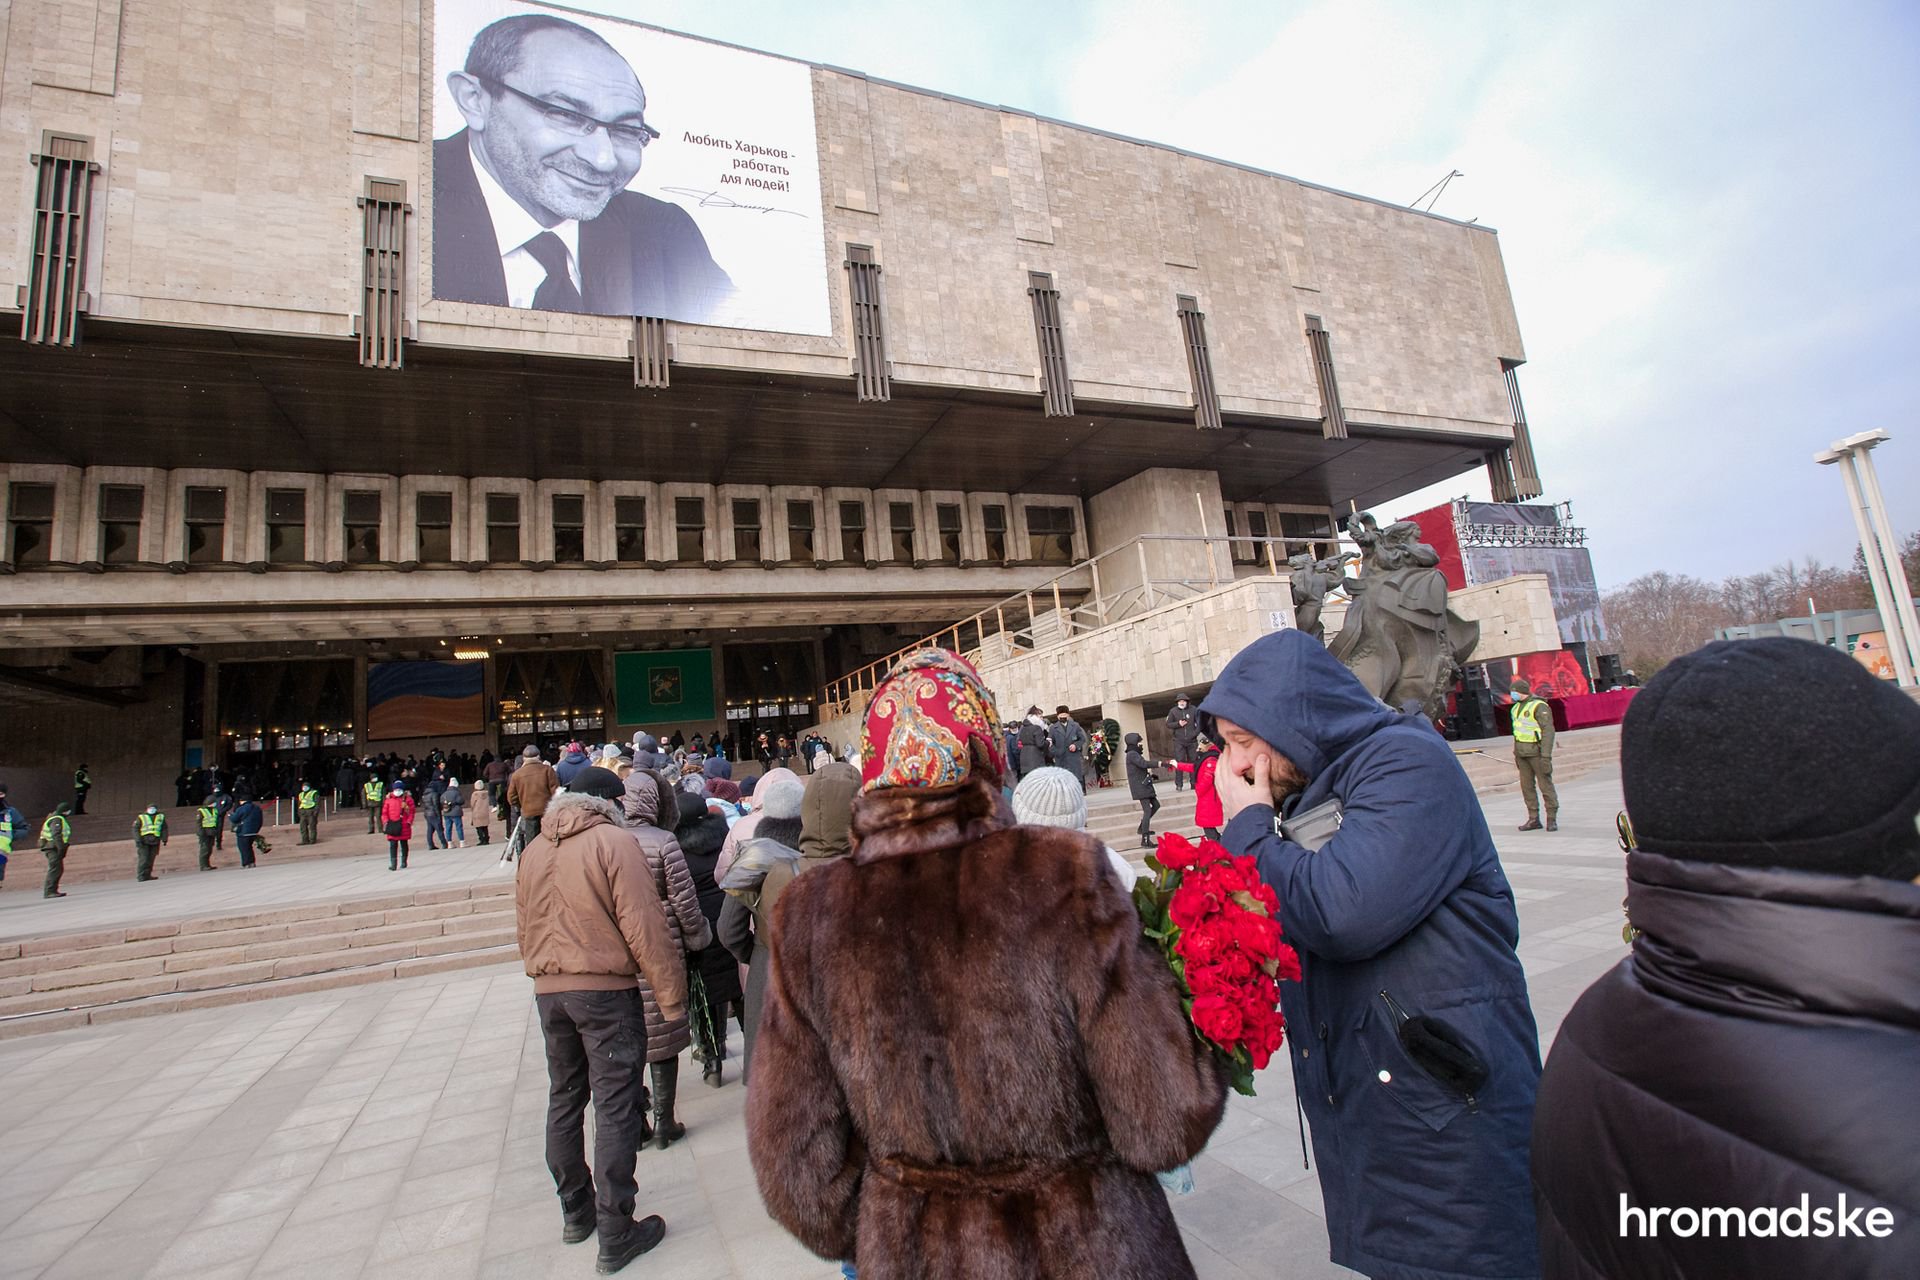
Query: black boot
(713, 1072)
(577, 1222)
(628, 1245)
(666, 1083)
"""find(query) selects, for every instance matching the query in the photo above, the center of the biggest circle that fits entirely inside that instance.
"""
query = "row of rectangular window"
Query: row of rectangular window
(122, 510)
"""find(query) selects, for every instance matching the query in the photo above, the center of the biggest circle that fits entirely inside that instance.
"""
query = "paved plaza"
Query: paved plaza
(396, 1129)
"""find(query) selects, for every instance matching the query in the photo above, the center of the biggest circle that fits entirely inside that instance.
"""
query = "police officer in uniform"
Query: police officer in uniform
(149, 833)
(308, 807)
(56, 834)
(209, 816)
(1533, 755)
(372, 792)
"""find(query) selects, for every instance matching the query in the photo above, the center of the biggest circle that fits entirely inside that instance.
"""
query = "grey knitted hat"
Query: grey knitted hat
(782, 798)
(1050, 797)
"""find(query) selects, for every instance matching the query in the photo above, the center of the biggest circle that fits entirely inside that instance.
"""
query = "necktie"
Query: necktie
(556, 292)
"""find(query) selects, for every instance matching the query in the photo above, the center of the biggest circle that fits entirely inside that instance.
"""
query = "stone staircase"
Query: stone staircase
(75, 979)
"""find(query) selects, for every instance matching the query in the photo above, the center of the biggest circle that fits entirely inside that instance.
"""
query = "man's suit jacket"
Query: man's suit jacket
(640, 257)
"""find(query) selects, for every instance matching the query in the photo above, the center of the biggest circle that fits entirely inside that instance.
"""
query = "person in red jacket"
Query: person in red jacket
(396, 817)
(1207, 813)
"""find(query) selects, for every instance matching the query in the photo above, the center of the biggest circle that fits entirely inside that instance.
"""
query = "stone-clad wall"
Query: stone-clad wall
(235, 136)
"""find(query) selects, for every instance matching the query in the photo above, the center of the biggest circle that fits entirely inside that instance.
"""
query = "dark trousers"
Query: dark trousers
(396, 852)
(80, 799)
(373, 818)
(206, 848)
(434, 829)
(596, 1049)
(144, 852)
(1182, 754)
(309, 826)
(1211, 833)
(246, 848)
(56, 867)
(1148, 807)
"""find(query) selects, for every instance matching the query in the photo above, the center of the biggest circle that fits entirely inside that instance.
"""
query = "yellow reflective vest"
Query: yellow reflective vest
(1526, 720)
(209, 816)
(373, 789)
(309, 798)
(56, 830)
(152, 825)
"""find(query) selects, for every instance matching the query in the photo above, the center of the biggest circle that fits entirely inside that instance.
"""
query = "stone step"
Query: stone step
(181, 1000)
(113, 858)
(62, 974)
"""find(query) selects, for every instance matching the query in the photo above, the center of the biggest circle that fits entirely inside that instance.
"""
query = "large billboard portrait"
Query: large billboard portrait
(591, 165)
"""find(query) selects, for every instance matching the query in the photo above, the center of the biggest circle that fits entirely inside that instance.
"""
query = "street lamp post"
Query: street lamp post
(1854, 457)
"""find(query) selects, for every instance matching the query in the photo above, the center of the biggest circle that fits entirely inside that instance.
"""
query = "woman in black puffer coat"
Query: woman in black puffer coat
(701, 834)
(1758, 1049)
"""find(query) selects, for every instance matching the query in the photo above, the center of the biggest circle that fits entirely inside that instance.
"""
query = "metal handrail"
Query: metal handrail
(843, 692)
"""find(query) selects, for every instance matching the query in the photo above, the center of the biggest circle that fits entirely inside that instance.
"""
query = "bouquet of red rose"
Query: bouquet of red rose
(1219, 927)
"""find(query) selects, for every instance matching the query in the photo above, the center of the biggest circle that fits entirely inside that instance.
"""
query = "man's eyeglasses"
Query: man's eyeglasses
(566, 120)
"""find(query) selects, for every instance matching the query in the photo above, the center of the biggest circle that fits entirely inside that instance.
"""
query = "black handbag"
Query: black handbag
(396, 829)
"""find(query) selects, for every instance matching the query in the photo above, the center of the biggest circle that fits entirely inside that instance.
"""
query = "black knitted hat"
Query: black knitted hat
(603, 783)
(1775, 753)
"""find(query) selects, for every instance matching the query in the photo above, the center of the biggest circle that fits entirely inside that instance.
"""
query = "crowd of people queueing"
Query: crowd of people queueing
(1006, 1110)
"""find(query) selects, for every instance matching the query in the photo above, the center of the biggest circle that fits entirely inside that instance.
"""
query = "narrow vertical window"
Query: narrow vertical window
(853, 531)
(433, 527)
(30, 523)
(1333, 418)
(800, 544)
(746, 529)
(870, 377)
(360, 517)
(690, 529)
(900, 525)
(121, 509)
(383, 246)
(1193, 333)
(206, 525)
(286, 526)
(630, 529)
(1526, 471)
(1056, 385)
(947, 517)
(503, 527)
(54, 296)
(569, 528)
(993, 522)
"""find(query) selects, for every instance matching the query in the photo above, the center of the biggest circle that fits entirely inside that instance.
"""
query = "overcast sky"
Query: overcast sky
(1707, 210)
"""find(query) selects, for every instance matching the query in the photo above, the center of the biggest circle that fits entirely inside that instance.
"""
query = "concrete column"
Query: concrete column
(1132, 718)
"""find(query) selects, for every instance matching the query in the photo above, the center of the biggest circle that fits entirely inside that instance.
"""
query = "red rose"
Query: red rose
(1202, 944)
(1235, 967)
(1259, 935)
(1189, 906)
(1176, 852)
(1216, 1018)
(1289, 961)
(1205, 980)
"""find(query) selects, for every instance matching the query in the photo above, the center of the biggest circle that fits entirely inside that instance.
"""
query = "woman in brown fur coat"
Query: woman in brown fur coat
(969, 1063)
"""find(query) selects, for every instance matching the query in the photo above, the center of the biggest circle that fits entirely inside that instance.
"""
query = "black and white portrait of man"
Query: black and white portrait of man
(530, 201)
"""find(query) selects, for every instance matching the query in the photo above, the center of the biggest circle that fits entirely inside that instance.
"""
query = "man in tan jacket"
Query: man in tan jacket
(528, 791)
(590, 921)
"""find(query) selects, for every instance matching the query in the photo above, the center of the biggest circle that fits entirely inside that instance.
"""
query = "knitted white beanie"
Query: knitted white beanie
(1050, 798)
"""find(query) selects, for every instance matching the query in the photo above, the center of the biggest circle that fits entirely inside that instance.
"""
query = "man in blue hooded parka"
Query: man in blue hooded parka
(1413, 1044)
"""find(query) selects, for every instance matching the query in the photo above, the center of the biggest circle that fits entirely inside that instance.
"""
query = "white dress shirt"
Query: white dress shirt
(513, 226)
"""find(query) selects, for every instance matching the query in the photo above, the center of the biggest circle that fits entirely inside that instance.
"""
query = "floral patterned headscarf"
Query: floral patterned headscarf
(930, 724)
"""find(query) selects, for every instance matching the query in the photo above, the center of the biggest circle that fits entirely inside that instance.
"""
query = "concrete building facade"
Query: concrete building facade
(212, 453)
